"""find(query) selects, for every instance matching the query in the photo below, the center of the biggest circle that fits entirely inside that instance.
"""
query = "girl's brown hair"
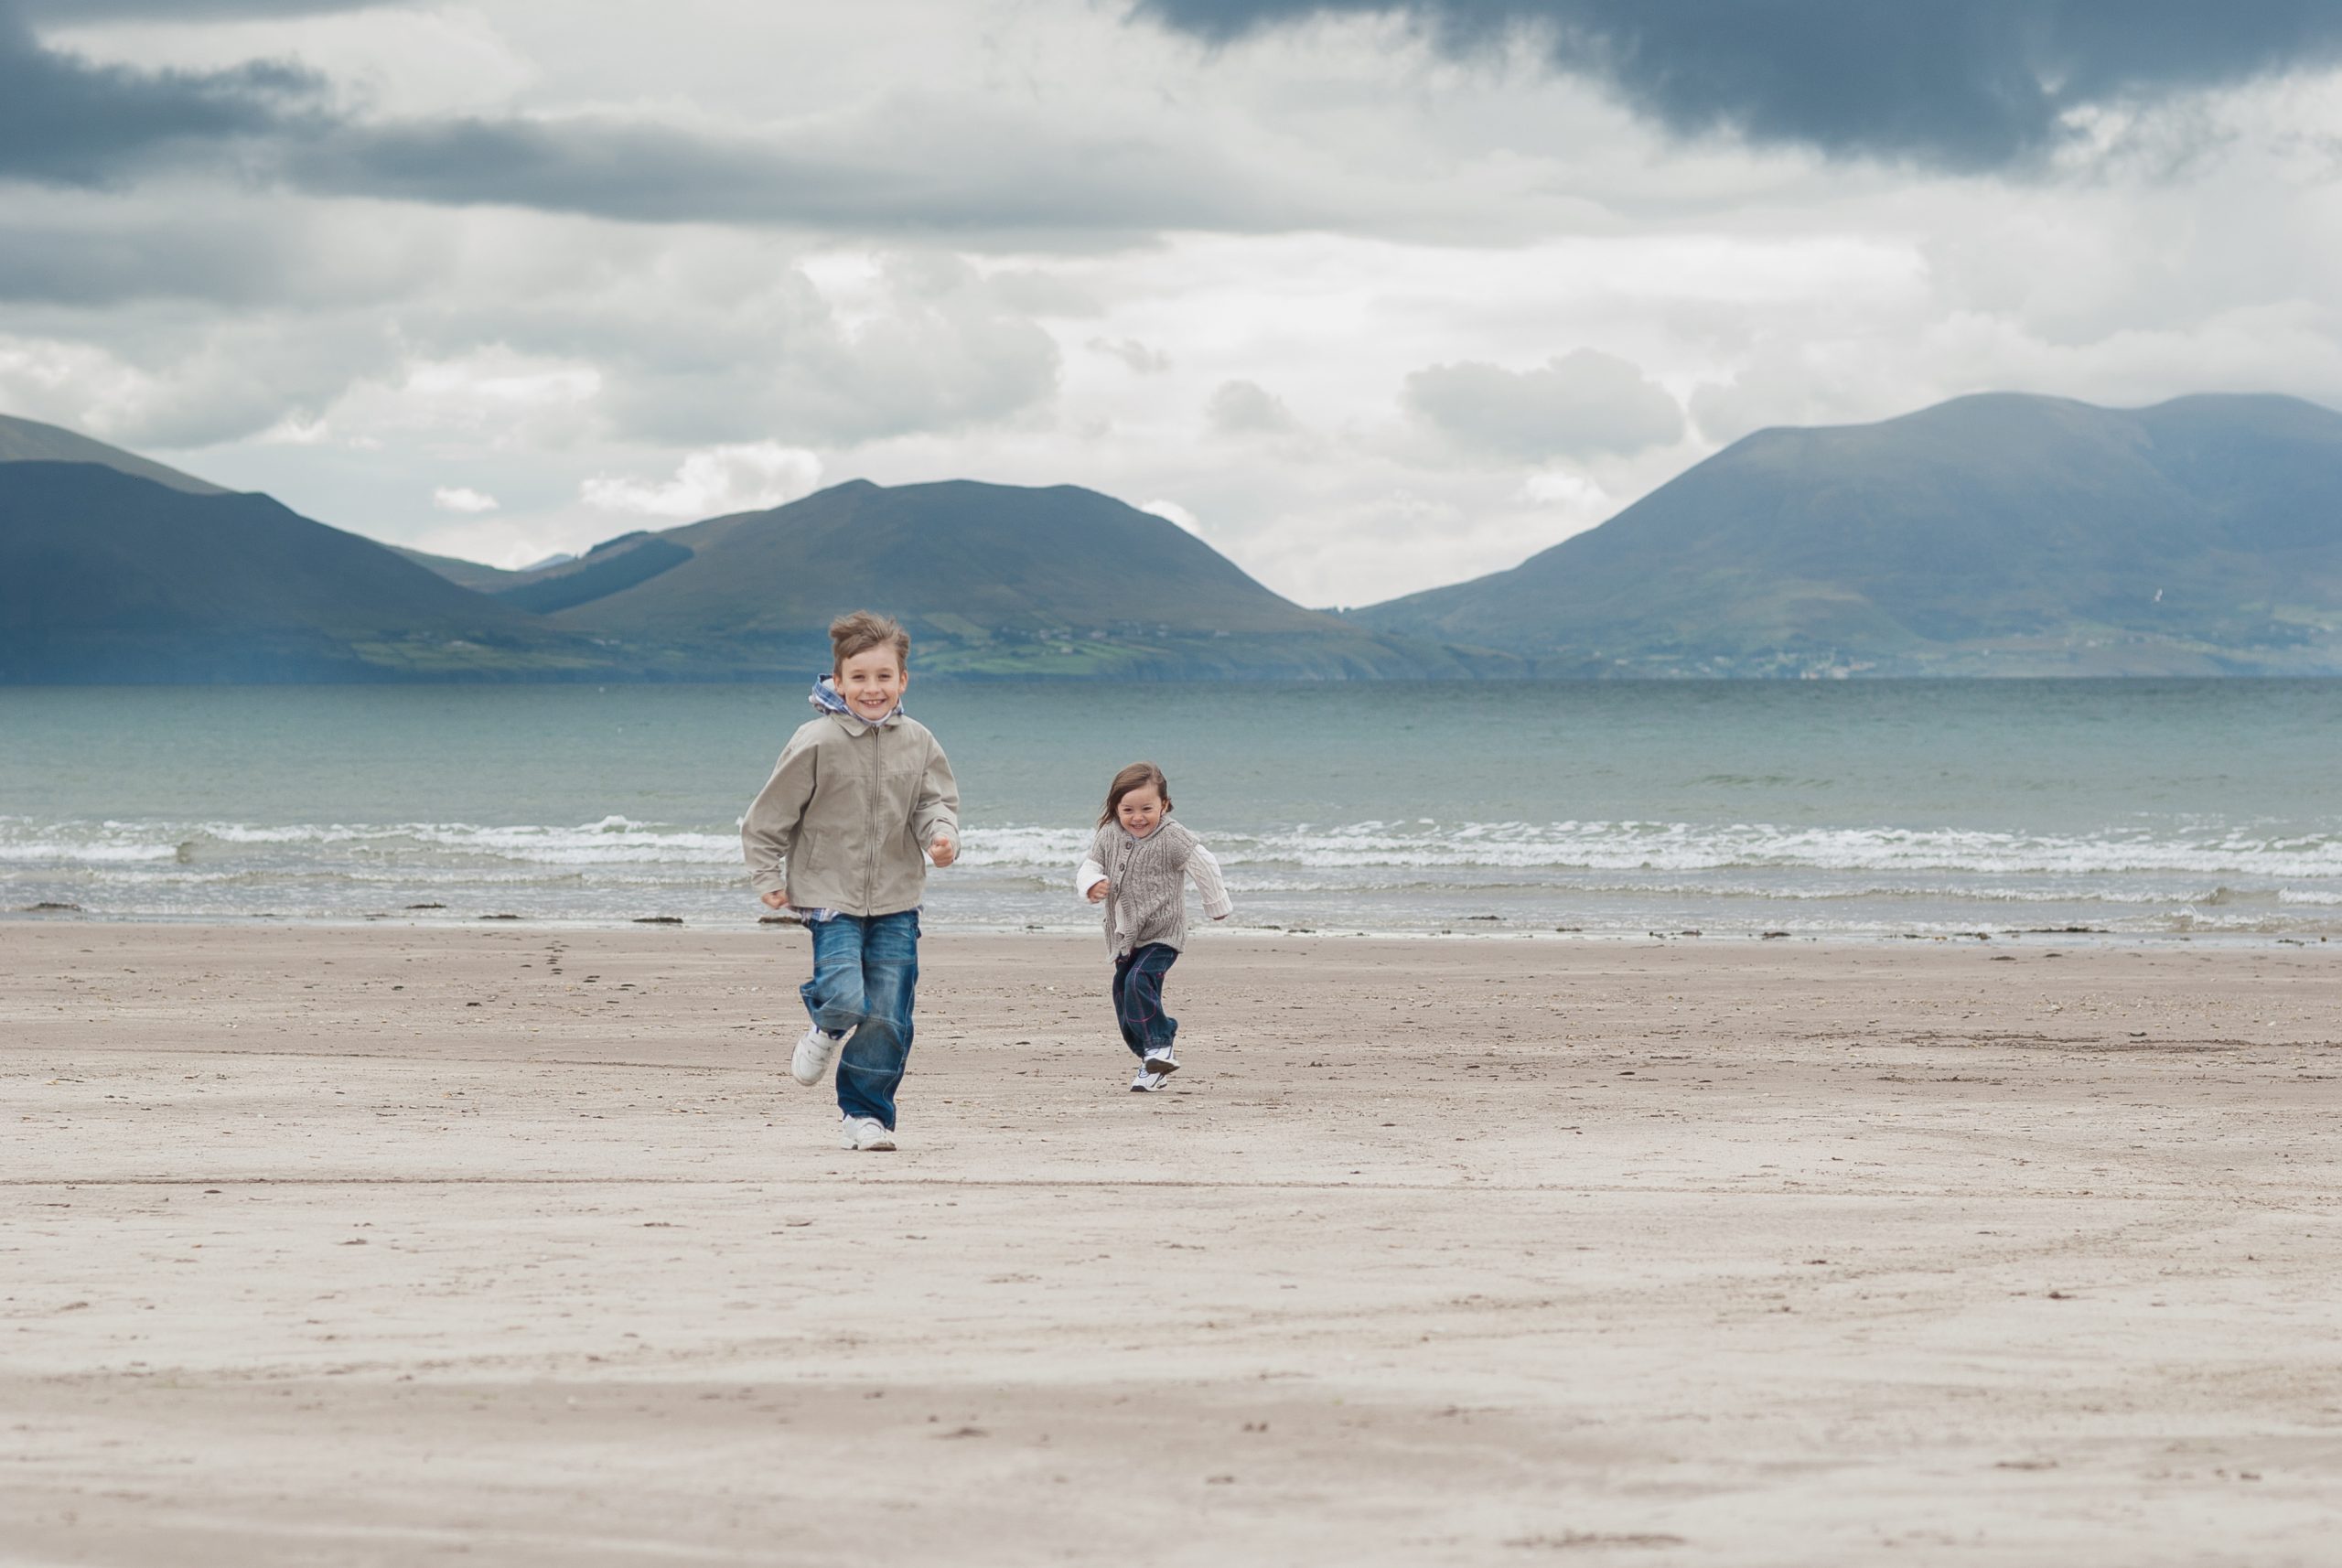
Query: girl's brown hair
(1137, 775)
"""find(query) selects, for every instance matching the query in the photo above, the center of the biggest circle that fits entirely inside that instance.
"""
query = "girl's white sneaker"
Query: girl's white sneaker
(811, 1057)
(866, 1135)
(1147, 1082)
(1159, 1061)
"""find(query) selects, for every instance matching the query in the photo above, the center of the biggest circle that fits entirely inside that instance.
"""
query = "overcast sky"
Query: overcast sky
(1373, 298)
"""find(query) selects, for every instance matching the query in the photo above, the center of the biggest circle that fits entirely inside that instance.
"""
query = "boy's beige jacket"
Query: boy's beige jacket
(844, 821)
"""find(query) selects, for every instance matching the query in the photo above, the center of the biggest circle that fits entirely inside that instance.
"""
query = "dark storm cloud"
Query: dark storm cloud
(894, 173)
(1961, 83)
(83, 10)
(609, 169)
(66, 121)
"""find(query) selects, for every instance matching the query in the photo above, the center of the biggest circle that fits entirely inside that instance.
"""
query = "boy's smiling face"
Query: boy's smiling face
(872, 683)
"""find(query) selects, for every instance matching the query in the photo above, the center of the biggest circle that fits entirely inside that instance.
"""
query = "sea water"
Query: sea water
(1733, 809)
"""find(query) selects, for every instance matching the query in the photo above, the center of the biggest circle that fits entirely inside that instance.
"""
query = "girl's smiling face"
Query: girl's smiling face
(1141, 811)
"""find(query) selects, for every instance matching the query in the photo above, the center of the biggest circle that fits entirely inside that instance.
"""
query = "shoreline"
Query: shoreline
(1462, 931)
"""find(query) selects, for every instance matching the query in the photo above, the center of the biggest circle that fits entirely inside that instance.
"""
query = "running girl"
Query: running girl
(1138, 866)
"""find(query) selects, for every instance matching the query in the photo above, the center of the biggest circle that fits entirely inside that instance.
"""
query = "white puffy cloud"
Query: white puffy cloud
(462, 497)
(722, 479)
(1172, 511)
(1570, 492)
(161, 380)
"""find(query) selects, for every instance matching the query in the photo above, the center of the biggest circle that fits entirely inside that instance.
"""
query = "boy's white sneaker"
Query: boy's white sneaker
(866, 1135)
(1159, 1061)
(811, 1057)
(1147, 1082)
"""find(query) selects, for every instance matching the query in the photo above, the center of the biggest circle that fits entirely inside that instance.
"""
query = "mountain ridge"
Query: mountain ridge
(28, 440)
(1998, 534)
(2002, 534)
(993, 580)
(106, 575)
(109, 573)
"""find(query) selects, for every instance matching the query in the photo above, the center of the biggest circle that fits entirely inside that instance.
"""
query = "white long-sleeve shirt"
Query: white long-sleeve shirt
(1146, 882)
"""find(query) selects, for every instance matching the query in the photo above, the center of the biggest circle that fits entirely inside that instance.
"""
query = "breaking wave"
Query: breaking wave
(1376, 848)
(1383, 874)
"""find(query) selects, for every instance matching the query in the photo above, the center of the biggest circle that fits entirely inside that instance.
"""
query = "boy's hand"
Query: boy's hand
(1099, 889)
(942, 852)
(775, 899)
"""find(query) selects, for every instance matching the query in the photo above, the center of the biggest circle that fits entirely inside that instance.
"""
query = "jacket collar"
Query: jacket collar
(825, 699)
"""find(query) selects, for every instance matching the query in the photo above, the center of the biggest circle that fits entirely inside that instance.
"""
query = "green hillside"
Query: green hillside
(991, 579)
(109, 577)
(1998, 535)
(610, 567)
(477, 575)
(110, 573)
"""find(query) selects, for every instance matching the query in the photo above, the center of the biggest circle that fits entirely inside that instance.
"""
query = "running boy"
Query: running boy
(1137, 867)
(861, 792)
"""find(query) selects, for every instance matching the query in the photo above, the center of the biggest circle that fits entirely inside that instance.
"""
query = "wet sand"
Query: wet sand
(509, 1245)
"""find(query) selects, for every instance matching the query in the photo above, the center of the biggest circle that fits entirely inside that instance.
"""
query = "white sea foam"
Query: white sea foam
(63, 850)
(613, 841)
(1366, 854)
(1686, 847)
(1681, 847)
(1023, 848)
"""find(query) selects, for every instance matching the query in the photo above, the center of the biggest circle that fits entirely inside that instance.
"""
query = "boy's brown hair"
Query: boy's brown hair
(1137, 775)
(862, 631)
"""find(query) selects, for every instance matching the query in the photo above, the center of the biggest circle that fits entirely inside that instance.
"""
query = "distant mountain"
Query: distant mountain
(991, 580)
(115, 569)
(610, 567)
(109, 575)
(477, 576)
(29, 441)
(1998, 535)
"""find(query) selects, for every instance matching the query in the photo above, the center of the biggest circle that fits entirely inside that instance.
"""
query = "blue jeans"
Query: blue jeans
(866, 975)
(1138, 999)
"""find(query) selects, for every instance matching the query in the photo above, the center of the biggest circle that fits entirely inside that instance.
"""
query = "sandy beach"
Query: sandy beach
(516, 1245)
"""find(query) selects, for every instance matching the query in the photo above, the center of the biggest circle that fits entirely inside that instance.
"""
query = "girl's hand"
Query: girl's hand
(775, 899)
(1099, 889)
(942, 852)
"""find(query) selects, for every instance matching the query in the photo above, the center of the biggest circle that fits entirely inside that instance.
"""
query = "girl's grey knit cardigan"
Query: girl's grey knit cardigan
(1146, 883)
